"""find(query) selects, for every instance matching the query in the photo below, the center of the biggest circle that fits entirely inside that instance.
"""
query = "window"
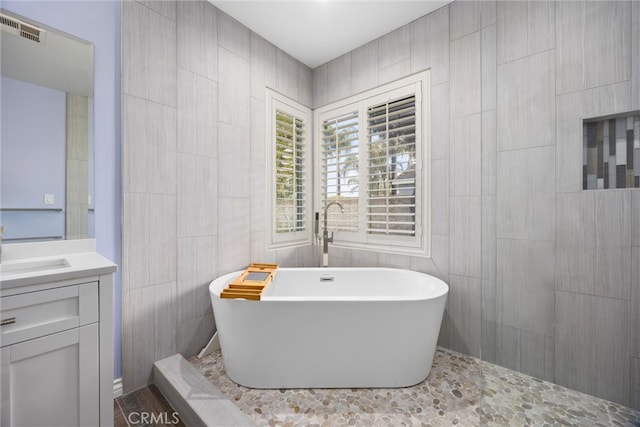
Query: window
(288, 180)
(371, 153)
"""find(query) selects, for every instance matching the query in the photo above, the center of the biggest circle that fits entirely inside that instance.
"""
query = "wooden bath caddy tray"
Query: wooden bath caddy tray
(251, 283)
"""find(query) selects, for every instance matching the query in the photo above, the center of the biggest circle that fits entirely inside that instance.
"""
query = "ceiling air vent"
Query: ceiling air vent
(21, 29)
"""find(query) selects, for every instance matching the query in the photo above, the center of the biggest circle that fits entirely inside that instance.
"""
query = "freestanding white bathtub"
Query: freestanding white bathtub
(332, 328)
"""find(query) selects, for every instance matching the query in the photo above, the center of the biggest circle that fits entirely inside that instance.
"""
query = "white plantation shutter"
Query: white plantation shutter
(340, 147)
(391, 183)
(291, 207)
(373, 151)
(288, 172)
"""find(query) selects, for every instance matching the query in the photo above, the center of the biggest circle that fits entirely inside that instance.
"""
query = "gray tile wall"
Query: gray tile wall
(546, 275)
(545, 278)
(193, 169)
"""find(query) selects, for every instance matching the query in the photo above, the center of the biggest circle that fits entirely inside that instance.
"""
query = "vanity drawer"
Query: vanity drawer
(35, 314)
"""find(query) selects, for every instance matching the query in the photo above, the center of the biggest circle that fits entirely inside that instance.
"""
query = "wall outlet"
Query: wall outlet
(48, 199)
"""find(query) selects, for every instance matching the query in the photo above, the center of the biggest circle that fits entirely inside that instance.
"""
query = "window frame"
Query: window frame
(419, 245)
(274, 102)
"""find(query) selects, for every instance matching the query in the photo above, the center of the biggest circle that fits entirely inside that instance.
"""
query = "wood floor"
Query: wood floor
(144, 407)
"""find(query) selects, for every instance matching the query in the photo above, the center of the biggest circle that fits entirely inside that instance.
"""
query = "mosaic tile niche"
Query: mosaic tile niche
(611, 152)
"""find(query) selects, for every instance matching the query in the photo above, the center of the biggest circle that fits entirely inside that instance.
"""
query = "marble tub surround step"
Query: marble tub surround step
(197, 400)
(460, 390)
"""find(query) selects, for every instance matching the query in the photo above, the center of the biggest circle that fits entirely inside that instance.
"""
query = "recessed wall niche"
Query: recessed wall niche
(611, 152)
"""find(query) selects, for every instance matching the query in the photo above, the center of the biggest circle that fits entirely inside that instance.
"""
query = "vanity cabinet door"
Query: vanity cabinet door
(52, 380)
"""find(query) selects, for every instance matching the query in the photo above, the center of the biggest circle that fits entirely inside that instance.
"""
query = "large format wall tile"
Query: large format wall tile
(508, 354)
(541, 25)
(575, 242)
(465, 315)
(234, 36)
(364, 67)
(526, 102)
(194, 334)
(430, 45)
(234, 90)
(569, 46)
(339, 77)
(613, 244)
(536, 355)
(489, 249)
(149, 54)
(138, 336)
(465, 156)
(197, 38)
(234, 147)
(635, 65)
(440, 121)
(465, 77)
(165, 320)
(394, 47)
(593, 335)
(162, 218)
(258, 133)
(524, 28)
(234, 239)
(511, 30)
(569, 142)
(465, 232)
(526, 194)
(466, 18)
(305, 79)
(488, 12)
(593, 238)
(607, 100)
(135, 237)
(197, 196)
(635, 211)
(150, 154)
(394, 71)
(197, 113)
(320, 84)
(607, 42)
(440, 197)
(149, 252)
(263, 66)
(489, 153)
(489, 70)
(165, 8)
(196, 269)
(593, 44)
(258, 179)
(526, 284)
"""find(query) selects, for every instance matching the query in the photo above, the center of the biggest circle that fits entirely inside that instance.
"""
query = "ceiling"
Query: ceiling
(317, 31)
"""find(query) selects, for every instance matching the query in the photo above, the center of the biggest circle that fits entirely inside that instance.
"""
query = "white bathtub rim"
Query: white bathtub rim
(441, 289)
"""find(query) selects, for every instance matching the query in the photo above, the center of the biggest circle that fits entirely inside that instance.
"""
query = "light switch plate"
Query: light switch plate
(48, 199)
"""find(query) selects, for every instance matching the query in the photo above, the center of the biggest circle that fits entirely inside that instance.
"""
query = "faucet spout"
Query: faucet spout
(325, 234)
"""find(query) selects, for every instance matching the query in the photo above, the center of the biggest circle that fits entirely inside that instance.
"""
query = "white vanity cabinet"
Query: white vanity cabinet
(56, 349)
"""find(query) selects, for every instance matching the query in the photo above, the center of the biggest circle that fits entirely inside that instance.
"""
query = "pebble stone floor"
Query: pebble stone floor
(460, 390)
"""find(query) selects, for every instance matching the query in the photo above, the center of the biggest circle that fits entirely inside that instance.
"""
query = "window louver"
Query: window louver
(290, 173)
(340, 174)
(391, 188)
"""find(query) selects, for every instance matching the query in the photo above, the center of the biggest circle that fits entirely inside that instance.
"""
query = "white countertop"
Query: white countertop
(31, 263)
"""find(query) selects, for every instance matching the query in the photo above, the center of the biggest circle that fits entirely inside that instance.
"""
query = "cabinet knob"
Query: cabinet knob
(9, 321)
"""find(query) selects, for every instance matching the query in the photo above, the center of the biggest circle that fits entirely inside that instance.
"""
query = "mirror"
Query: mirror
(46, 145)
